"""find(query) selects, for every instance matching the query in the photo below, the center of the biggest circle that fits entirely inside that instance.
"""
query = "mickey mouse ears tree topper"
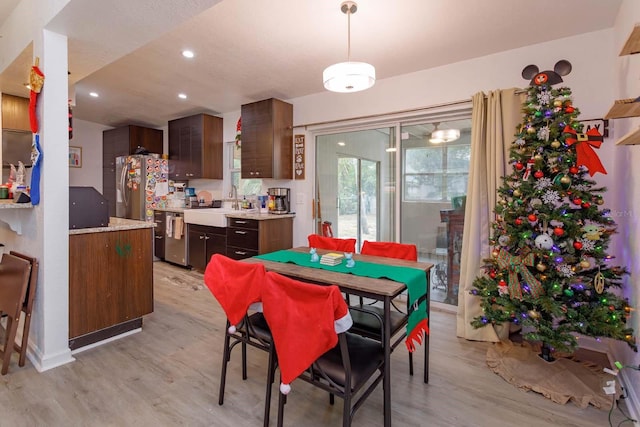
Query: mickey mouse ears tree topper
(548, 77)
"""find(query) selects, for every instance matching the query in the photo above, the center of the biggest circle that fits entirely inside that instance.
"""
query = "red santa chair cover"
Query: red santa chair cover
(236, 285)
(390, 250)
(332, 243)
(304, 320)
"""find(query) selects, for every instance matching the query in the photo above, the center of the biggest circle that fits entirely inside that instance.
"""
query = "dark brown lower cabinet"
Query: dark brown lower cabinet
(249, 237)
(204, 241)
(110, 283)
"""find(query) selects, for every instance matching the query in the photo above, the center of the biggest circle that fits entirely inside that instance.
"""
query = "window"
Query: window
(244, 186)
(436, 173)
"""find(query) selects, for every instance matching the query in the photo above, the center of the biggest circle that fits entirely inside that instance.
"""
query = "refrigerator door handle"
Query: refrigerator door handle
(123, 175)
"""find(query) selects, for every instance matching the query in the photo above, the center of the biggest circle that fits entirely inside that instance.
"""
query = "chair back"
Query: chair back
(235, 284)
(304, 320)
(14, 279)
(327, 231)
(390, 250)
(331, 243)
(27, 305)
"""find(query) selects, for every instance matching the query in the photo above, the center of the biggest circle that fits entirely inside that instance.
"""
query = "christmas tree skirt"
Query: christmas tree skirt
(565, 379)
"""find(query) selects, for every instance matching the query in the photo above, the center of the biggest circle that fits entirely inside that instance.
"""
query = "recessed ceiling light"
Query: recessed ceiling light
(390, 149)
(341, 143)
(188, 53)
(94, 94)
(182, 95)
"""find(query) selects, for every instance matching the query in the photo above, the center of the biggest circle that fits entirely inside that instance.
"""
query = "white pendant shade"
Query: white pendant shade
(444, 135)
(349, 77)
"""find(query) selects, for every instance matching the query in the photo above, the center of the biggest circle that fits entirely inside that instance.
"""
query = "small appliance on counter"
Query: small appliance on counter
(279, 200)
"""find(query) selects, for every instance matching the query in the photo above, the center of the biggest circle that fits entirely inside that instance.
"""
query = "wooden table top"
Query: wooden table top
(357, 285)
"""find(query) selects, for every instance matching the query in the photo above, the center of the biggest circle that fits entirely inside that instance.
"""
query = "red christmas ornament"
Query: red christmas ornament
(569, 109)
(538, 174)
(518, 221)
(492, 274)
(586, 205)
(502, 283)
(574, 170)
(519, 166)
(532, 217)
(558, 231)
(577, 201)
(577, 245)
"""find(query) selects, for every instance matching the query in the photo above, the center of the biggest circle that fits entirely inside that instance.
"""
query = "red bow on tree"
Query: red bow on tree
(585, 144)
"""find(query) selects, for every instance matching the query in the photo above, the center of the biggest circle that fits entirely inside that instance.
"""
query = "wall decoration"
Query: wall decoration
(298, 156)
(75, 157)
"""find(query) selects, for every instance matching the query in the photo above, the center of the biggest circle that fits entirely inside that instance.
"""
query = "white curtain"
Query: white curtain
(495, 118)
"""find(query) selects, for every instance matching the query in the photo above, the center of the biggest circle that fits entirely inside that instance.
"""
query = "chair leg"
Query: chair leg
(8, 345)
(25, 339)
(346, 412)
(244, 359)
(270, 378)
(226, 355)
(282, 400)
(332, 399)
(410, 363)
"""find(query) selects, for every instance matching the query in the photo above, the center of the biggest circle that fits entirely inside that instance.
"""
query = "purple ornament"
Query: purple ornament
(547, 114)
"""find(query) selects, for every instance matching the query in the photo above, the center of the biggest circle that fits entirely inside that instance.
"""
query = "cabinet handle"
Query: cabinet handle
(257, 172)
(240, 232)
(201, 237)
(251, 173)
(207, 238)
(240, 222)
(159, 237)
(239, 252)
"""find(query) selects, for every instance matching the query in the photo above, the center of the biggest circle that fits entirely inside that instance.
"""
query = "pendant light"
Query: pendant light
(439, 136)
(349, 76)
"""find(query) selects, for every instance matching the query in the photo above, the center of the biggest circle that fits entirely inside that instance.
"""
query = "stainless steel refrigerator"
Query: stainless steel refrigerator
(142, 185)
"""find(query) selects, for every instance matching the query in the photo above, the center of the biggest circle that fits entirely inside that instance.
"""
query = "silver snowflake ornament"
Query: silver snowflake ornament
(550, 197)
(543, 133)
(587, 245)
(544, 97)
(565, 270)
(542, 183)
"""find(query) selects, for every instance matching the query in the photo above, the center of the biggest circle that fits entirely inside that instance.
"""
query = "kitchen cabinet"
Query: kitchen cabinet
(195, 147)
(123, 141)
(249, 237)
(267, 140)
(159, 217)
(15, 113)
(110, 283)
(204, 241)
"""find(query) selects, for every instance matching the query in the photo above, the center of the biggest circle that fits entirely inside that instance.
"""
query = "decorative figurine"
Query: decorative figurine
(350, 262)
(314, 256)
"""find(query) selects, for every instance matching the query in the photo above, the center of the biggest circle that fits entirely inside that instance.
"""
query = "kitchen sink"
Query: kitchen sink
(214, 217)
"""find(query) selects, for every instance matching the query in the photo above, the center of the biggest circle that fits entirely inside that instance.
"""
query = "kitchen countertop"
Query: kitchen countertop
(259, 216)
(115, 224)
(177, 210)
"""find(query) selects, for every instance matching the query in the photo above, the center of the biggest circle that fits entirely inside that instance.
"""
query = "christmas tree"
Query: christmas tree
(549, 269)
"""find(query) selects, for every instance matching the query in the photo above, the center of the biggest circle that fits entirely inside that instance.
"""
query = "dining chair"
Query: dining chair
(367, 319)
(309, 324)
(27, 306)
(331, 243)
(14, 280)
(237, 287)
(327, 231)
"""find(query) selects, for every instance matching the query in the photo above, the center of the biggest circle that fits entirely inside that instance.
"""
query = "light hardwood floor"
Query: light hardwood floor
(168, 375)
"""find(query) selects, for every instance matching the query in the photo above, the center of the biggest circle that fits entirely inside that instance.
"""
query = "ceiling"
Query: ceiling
(247, 50)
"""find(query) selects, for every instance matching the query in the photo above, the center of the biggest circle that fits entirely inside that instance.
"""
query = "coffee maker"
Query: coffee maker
(279, 200)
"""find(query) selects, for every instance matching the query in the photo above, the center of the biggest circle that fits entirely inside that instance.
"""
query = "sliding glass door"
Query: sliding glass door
(356, 184)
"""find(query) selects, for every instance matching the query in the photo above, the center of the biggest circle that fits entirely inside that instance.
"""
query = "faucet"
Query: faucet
(234, 196)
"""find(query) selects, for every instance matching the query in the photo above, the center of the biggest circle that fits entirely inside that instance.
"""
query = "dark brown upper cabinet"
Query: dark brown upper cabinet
(195, 147)
(15, 113)
(267, 140)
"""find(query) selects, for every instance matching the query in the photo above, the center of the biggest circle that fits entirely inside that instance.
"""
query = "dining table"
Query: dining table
(381, 289)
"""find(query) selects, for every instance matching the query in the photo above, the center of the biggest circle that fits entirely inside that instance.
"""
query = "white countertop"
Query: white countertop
(115, 224)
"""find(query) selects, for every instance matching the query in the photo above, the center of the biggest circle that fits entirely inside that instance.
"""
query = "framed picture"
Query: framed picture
(75, 157)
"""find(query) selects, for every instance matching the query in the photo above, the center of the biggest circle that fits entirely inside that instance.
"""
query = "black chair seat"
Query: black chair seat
(366, 357)
(367, 321)
(258, 328)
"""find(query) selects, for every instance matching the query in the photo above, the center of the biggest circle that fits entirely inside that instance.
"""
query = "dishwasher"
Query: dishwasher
(175, 246)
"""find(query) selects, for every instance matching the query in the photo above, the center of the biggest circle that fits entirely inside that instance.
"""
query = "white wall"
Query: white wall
(88, 136)
(627, 186)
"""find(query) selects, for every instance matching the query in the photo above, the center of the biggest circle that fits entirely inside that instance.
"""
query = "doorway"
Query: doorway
(355, 184)
(357, 199)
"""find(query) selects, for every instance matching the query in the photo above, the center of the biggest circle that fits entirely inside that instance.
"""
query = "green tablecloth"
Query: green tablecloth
(414, 278)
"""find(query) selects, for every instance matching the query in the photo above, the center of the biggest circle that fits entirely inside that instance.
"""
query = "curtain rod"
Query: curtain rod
(381, 115)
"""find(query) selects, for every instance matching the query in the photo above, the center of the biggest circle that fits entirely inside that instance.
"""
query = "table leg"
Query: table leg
(386, 382)
(426, 337)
